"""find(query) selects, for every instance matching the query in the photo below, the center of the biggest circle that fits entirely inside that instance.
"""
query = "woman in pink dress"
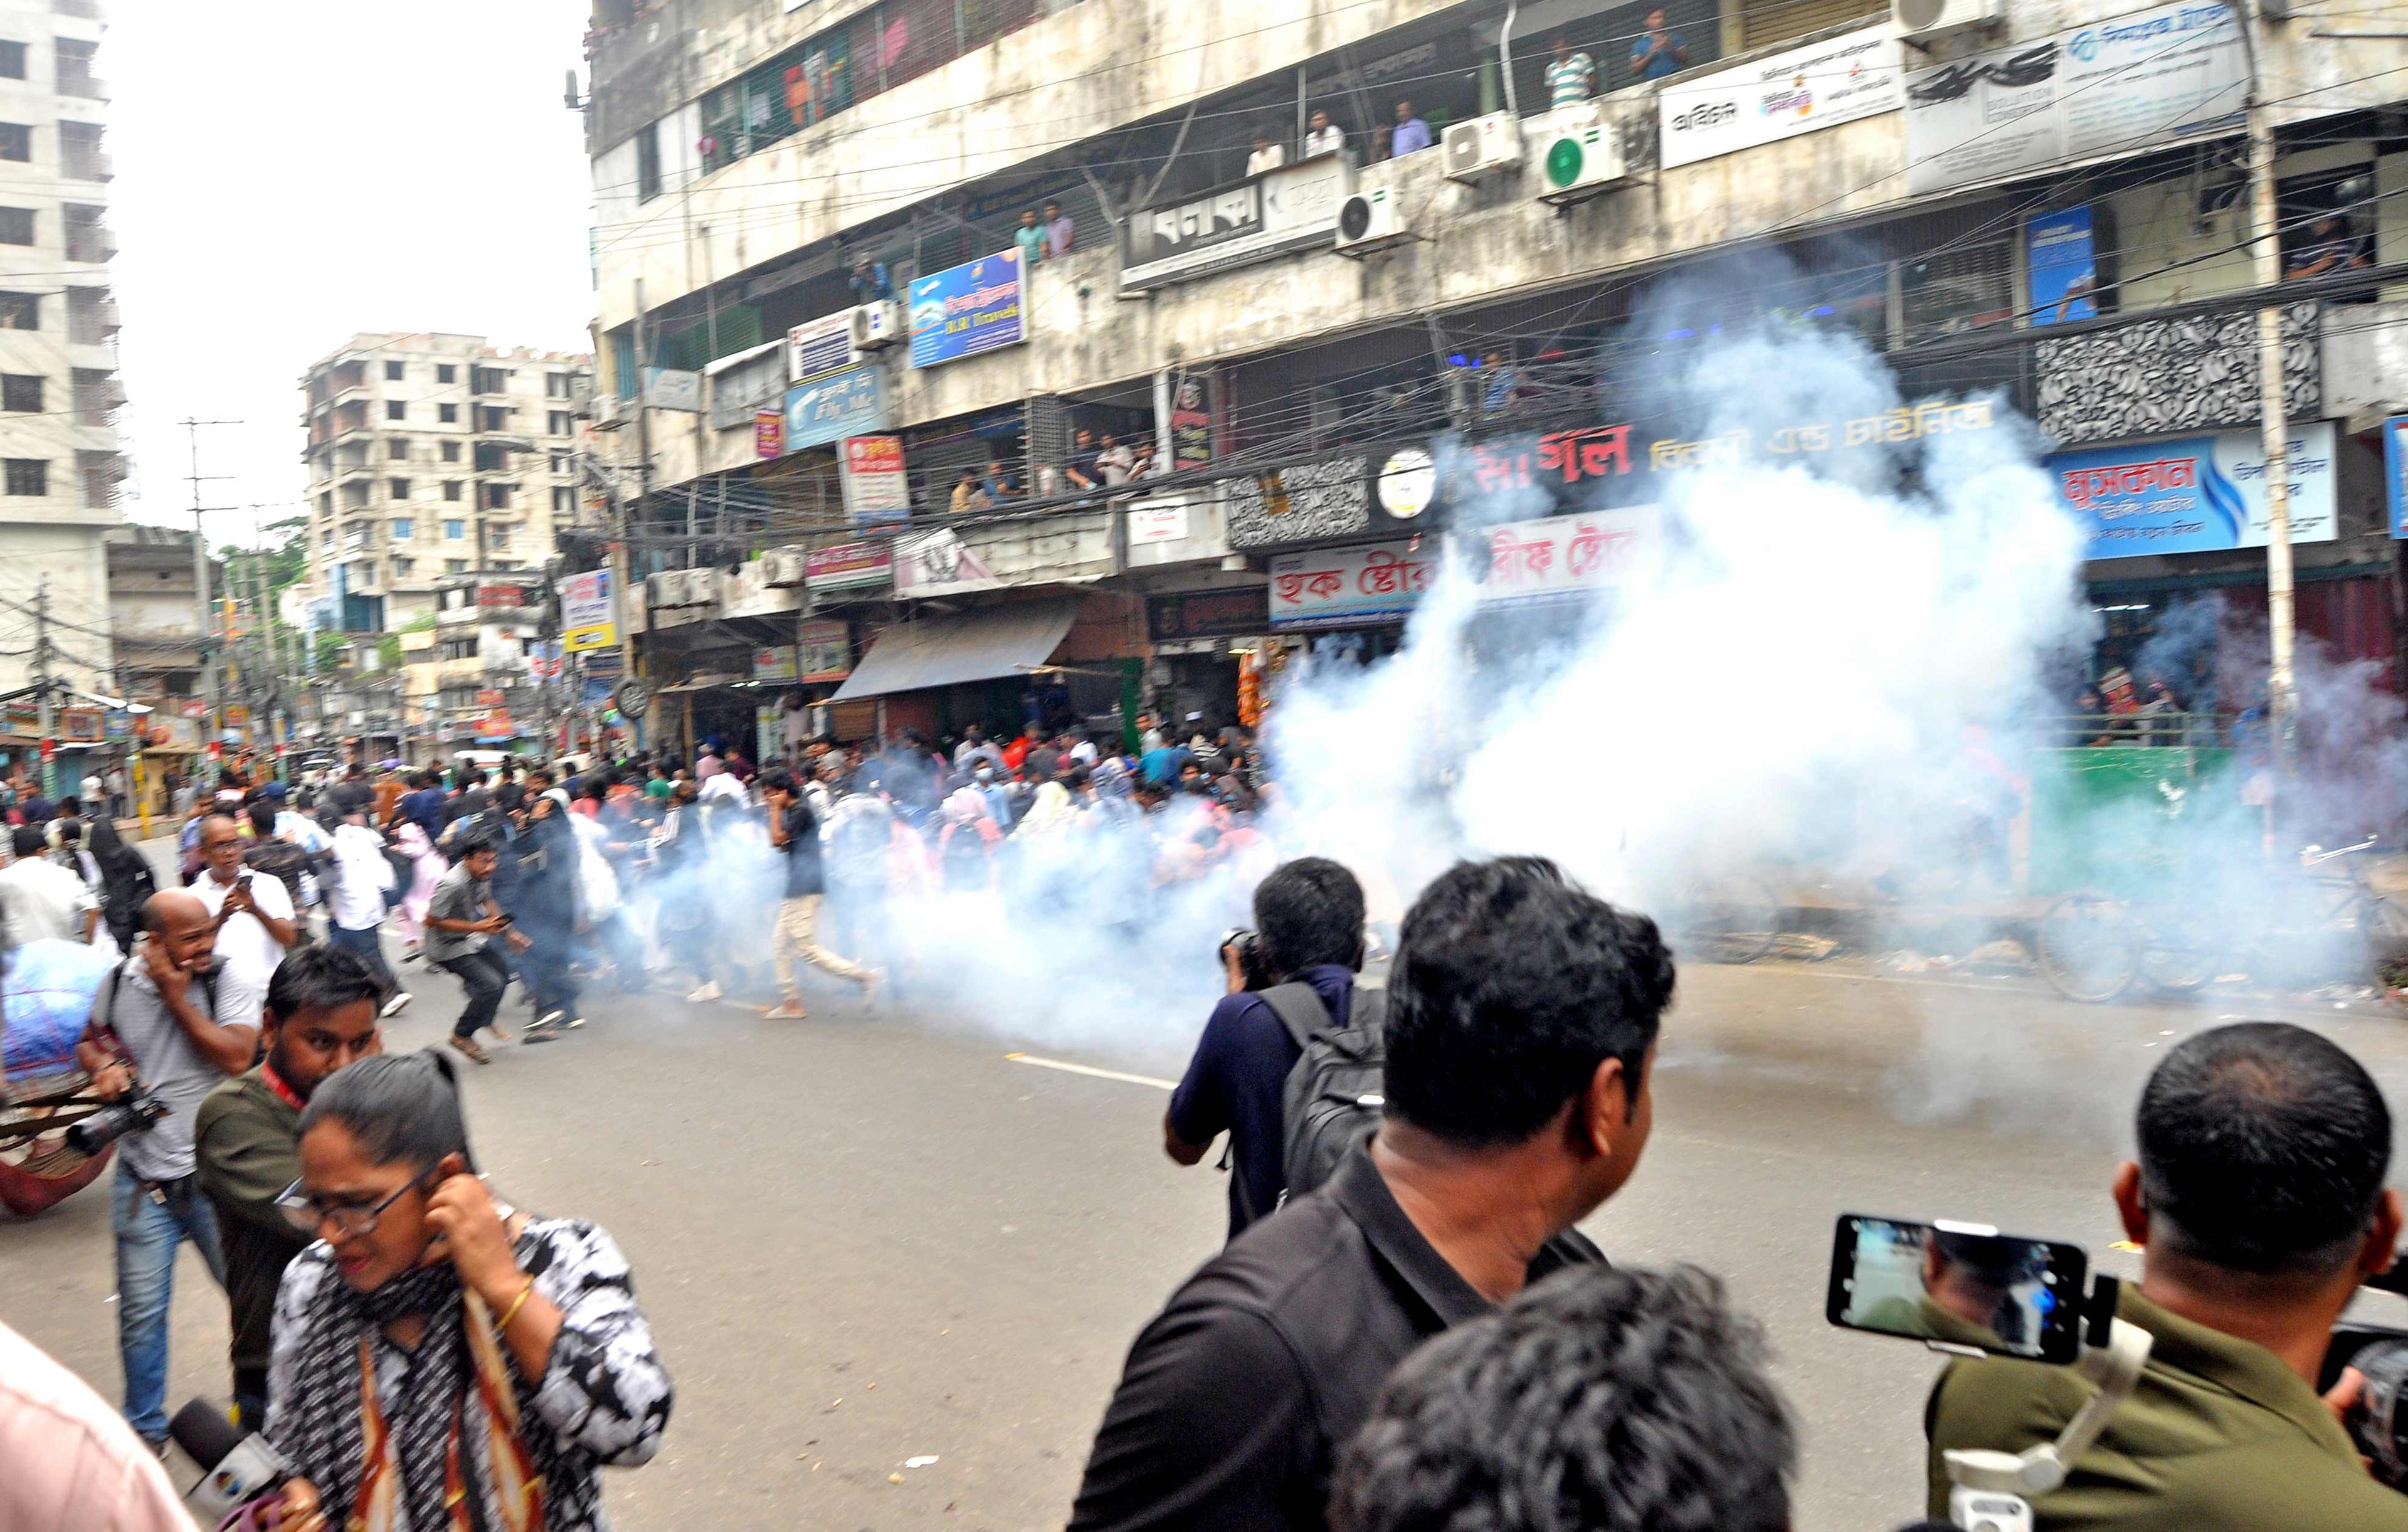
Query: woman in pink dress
(410, 916)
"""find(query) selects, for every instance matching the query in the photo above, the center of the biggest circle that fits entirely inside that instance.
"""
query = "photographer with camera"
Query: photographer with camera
(1291, 976)
(163, 1034)
(2259, 1198)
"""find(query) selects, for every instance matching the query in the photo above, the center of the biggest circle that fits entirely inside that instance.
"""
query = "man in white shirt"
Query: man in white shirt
(1268, 155)
(1326, 136)
(355, 905)
(253, 914)
(724, 784)
(40, 898)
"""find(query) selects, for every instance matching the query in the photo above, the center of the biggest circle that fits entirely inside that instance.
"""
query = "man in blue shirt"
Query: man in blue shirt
(1657, 53)
(1309, 915)
(1412, 133)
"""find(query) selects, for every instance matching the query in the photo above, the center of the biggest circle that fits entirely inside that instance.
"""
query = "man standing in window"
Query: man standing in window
(1030, 237)
(1571, 79)
(1326, 136)
(1657, 53)
(1412, 134)
(1058, 232)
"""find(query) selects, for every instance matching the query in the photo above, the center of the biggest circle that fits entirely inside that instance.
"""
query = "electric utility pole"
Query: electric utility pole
(2266, 271)
(42, 682)
(204, 641)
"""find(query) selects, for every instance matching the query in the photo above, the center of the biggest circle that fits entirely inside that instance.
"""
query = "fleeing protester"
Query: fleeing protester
(1324, 138)
(1268, 155)
(1116, 460)
(160, 1025)
(1521, 1028)
(40, 899)
(1658, 51)
(427, 868)
(1571, 77)
(1030, 238)
(442, 1359)
(255, 919)
(1059, 232)
(321, 1015)
(462, 922)
(1639, 1396)
(364, 889)
(1309, 935)
(1411, 136)
(115, 792)
(127, 882)
(795, 835)
(69, 1464)
(547, 899)
(276, 856)
(2259, 1203)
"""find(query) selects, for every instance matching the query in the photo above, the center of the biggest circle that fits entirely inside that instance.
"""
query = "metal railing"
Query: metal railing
(2167, 729)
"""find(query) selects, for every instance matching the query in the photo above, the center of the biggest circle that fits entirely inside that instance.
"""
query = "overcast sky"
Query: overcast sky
(289, 172)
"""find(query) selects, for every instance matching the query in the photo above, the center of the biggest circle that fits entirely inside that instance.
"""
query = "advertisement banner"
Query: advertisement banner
(848, 567)
(1191, 424)
(1345, 587)
(587, 618)
(1239, 613)
(2395, 472)
(823, 651)
(2063, 263)
(1165, 521)
(966, 309)
(1293, 208)
(1557, 558)
(842, 404)
(818, 346)
(673, 388)
(774, 664)
(939, 564)
(2194, 495)
(770, 433)
(877, 490)
(2137, 82)
(1821, 85)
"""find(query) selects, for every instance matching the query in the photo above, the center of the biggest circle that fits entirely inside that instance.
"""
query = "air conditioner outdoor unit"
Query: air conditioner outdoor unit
(876, 325)
(1369, 221)
(665, 589)
(1584, 158)
(1480, 147)
(610, 412)
(1928, 21)
(702, 586)
(783, 566)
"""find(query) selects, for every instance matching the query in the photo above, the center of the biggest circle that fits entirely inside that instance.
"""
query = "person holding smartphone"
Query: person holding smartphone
(253, 914)
(461, 924)
(438, 1350)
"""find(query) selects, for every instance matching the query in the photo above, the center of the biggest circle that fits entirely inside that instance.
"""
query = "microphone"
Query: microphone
(236, 1468)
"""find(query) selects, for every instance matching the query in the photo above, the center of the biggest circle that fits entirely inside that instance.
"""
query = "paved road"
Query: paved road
(866, 1241)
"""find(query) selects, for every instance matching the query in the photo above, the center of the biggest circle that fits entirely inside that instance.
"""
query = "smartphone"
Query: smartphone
(1958, 1287)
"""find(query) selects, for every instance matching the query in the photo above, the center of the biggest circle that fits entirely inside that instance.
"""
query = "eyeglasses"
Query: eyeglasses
(308, 1215)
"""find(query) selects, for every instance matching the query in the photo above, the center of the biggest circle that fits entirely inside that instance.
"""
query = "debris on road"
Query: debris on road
(920, 1462)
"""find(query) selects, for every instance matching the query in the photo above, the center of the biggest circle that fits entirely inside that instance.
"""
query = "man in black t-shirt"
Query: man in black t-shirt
(795, 831)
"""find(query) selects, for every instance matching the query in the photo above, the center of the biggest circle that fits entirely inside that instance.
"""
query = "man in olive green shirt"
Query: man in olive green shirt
(2260, 1201)
(321, 1014)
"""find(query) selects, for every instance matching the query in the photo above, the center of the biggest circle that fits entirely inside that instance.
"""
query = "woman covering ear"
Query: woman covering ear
(443, 1362)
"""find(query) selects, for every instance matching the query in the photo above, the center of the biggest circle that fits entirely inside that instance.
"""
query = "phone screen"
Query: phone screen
(1963, 1285)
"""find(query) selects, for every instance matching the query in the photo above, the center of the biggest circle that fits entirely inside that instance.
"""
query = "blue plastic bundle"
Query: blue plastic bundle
(47, 996)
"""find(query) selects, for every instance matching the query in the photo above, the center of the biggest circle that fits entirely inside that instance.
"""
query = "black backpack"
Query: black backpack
(1333, 1098)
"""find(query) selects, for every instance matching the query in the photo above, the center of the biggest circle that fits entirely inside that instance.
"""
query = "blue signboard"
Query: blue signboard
(966, 309)
(2191, 494)
(2063, 263)
(2395, 471)
(830, 409)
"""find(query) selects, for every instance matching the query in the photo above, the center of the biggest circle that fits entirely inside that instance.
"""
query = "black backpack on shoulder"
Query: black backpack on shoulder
(1333, 1098)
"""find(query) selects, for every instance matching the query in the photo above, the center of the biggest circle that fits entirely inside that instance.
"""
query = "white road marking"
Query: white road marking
(1091, 1070)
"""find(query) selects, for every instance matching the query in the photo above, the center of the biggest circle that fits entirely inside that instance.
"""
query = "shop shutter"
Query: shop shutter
(1765, 22)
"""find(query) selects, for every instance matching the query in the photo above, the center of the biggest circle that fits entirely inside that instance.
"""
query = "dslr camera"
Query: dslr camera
(1247, 944)
(139, 1110)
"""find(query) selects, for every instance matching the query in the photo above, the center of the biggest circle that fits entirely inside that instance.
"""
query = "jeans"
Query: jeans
(370, 948)
(484, 974)
(149, 1230)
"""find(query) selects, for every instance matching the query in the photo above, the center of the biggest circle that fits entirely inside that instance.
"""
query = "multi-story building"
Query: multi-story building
(60, 465)
(431, 455)
(1342, 267)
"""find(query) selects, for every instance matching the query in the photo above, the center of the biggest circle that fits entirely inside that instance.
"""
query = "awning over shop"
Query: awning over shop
(974, 646)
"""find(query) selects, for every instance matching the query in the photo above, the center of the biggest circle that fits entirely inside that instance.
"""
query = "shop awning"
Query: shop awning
(974, 646)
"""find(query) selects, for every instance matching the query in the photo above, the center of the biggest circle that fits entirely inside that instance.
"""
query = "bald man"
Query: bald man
(162, 1025)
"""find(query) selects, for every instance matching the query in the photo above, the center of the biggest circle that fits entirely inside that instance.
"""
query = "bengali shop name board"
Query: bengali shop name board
(1855, 75)
(1236, 613)
(848, 567)
(1293, 208)
(966, 309)
(2194, 495)
(1345, 587)
(1567, 558)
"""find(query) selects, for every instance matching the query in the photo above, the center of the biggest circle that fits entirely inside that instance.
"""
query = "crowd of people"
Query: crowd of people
(1406, 1329)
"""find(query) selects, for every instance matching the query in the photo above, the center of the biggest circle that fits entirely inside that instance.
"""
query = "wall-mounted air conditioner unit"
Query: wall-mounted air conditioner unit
(1480, 147)
(876, 325)
(610, 412)
(1584, 158)
(1370, 220)
(782, 567)
(1927, 21)
(665, 589)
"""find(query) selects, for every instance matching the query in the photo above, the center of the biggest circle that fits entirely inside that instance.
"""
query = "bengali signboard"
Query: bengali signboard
(2190, 495)
(965, 309)
(1347, 587)
(587, 618)
(823, 651)
(2138, 81)
(1191, 424)
(1559, 558)
(776, 663)
(2395, 472)
(877, 490)
(848, 567)
(1294, 207)
(818, 346)
(1854, 75)
(770, 433)
(1241, 611)
(850, 403)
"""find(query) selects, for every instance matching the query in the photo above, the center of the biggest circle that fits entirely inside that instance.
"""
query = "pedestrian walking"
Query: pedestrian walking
(363, 887)
(795, 834)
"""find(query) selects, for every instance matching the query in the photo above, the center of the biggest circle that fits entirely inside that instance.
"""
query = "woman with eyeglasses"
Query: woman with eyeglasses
(443, 1363)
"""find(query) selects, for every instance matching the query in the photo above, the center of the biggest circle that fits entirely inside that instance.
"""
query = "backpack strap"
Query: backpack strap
(1299, 1010)
(1368, 1008)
